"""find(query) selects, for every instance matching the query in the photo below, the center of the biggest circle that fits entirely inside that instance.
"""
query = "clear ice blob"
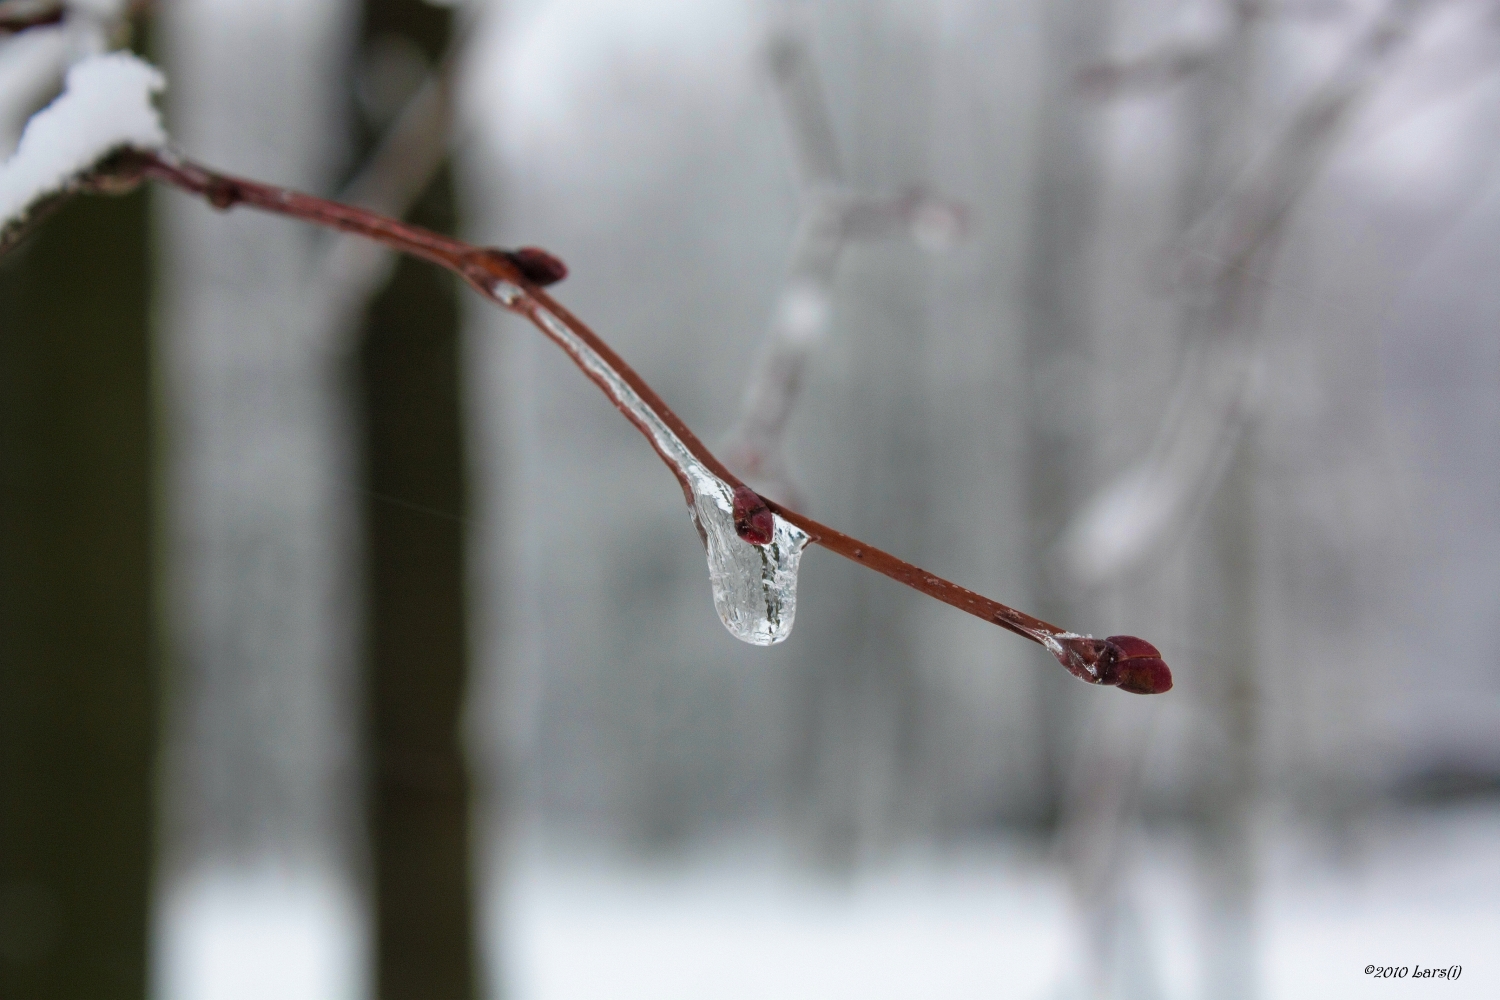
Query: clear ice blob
(755, 586)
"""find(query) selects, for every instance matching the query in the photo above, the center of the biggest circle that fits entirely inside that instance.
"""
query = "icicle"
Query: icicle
(754, 585)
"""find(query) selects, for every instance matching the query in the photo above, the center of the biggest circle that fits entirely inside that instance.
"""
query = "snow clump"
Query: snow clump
(104, 107)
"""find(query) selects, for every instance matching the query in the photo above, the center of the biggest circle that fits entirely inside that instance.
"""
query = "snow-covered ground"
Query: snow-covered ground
(991, 921)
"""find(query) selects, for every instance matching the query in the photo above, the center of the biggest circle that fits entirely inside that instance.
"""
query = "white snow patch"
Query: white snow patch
(980, 921)
(259, 933)
(105, 106)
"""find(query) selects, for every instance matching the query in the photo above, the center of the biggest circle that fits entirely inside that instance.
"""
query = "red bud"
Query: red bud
(1124, 661)
(1137, 666)
(538, 266)
(753, 520)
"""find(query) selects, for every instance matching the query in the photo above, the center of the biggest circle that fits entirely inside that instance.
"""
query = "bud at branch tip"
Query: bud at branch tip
(1123, 661)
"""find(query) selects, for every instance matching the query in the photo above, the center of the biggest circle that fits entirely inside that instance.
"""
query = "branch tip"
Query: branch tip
(1137, 666)
(1122, 661)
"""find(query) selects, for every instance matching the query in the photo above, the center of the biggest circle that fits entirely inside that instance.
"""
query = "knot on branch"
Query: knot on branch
(117, 174)
(223, 193)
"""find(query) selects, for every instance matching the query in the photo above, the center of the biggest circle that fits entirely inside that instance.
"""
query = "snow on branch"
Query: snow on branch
(105, 107)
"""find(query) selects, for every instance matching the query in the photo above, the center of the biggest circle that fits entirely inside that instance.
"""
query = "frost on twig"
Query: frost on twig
(32, 64)
(105, 107)
(1121, 525)
(832, 216)
(1222, 261)
(38, 41)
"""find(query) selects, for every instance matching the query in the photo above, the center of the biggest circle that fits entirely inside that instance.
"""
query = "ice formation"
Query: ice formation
(105, 106)
(754, 586)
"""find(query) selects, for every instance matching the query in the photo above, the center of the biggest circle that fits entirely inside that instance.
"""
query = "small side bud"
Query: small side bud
(1136, 666)
(753, 520)
(223, 193)
(538, 266)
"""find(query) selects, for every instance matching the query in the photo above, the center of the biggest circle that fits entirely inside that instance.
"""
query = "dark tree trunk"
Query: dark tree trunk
(416, 640)
(78, 697)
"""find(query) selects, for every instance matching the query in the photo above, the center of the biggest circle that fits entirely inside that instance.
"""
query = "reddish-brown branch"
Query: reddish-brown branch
(17, 17)
(1127, 662)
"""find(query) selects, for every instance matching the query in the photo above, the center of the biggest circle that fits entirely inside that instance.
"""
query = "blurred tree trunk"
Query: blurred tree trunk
(259, 524)
(861, 701)
(1227, 625)
(78, 678)
(1058, 293)
(416, 641)
(1218, 120)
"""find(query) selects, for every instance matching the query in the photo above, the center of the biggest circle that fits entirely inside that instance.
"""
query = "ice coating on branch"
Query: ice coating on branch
(105, 106)
(754, 585)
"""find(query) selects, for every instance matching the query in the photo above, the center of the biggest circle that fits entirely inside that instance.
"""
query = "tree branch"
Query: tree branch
(18, 15)
(513, 281)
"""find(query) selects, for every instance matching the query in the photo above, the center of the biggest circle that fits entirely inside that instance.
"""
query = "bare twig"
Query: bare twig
(830, 220)
(1147, 73)
(513, 280)
(804, 109)
(18, 15)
